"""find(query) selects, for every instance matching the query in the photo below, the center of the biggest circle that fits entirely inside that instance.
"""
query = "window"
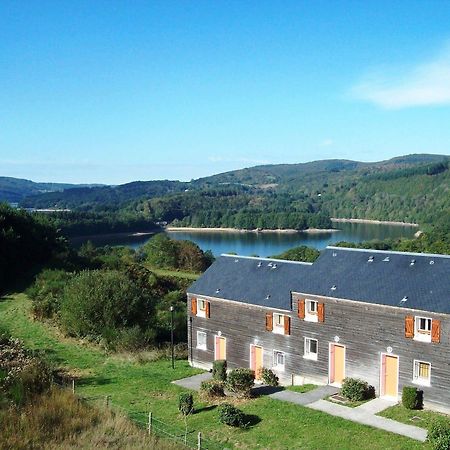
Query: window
(278, 360)
(201, 340)
(311, 349)
(422, 373)
(202, 309)
(311, 311)
(422, 329)
(278, 323)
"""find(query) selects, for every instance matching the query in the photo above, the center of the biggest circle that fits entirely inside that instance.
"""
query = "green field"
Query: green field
(143, 387)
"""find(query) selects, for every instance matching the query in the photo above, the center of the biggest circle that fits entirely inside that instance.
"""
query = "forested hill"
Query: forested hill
(413, 188)
(14, 190)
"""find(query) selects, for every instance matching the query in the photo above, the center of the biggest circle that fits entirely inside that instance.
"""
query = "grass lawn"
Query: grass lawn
(301, 389)
(140, 388)
(401, 414)
(173, 273)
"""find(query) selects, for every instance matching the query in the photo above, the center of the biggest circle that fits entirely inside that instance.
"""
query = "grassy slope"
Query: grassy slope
(146, 387)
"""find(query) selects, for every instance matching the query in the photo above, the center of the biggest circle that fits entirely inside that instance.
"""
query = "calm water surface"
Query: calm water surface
(264, 244)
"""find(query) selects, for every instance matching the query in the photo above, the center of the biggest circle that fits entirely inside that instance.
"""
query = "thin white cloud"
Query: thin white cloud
(326, 143)
(426, 84)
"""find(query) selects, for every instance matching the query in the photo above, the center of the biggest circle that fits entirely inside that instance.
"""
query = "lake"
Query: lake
(263, 244)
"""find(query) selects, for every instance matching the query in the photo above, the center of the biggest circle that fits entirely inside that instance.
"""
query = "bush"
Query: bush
(439, 434)
(232, 416)
(412, 398)
(219, 370)
(46, 292)
(268, 377)
(101, 303)
(212, 388)
(186, 403)
(356, 390)
(241, 381)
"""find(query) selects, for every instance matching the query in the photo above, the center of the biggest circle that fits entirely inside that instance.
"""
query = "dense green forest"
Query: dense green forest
(414, 188)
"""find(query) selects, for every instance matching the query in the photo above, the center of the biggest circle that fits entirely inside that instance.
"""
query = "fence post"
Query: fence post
(107, 400)
(199, 441)
(149, 423)
(73, 385)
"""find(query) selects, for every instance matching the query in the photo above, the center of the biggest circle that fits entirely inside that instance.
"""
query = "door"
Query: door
(337, 364)
(256, 360)
(389, 372)
(220, 348)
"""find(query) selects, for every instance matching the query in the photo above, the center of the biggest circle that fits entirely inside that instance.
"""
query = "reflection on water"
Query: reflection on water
(264, 244)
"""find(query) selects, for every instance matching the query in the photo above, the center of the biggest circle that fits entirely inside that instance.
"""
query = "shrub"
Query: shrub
(219, 370)
(100, 303)
(241, 381)
(356, 390)
(439, 434)
(268, 377)
(232, 416)
(212, 388)
(412, 398)
(46, 292)
(185, 403)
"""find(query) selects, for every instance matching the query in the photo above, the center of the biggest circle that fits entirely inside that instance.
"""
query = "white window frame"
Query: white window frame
(420, 334)
(276, 328)
(201, 312)
(416, 378)
(311, 316)
(275, 365)
(307, 353)
(205, 346)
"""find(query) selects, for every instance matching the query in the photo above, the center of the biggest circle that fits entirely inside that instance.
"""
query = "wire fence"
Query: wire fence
(186, 437)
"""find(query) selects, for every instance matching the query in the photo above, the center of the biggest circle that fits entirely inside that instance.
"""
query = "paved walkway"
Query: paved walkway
(368, 418)
(306, 398)
(364, 414)
(193, 382)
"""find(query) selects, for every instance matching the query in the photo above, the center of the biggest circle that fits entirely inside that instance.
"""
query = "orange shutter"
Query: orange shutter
(409, 326)
(207, 310)
(269, 322)
(436, 331)
(287, 325)
(301, 309)
(321, 312)
(194, 306)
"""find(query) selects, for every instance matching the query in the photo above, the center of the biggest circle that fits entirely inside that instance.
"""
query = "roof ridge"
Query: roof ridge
(391, 252)
(257, 258)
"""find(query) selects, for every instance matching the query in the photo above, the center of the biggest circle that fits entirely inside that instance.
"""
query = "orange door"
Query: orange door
(390, 368)
(337, 363)
(256, 360)
(221, 348)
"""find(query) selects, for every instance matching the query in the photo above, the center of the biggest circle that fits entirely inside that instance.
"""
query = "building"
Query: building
(380, 316)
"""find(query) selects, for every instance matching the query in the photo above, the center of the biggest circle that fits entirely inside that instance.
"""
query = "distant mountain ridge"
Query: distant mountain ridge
(411, 188)
(14, 190)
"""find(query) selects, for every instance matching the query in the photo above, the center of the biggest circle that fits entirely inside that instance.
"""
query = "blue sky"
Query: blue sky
(115, 91)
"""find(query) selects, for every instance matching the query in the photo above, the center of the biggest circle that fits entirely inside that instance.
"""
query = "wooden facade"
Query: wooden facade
(348, 339)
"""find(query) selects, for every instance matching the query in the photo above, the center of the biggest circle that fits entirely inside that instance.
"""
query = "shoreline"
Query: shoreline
(374, 222)
(118, 234)
(240, 230)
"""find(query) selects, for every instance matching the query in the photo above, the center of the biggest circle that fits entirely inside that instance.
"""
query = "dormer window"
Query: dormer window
(311, 310)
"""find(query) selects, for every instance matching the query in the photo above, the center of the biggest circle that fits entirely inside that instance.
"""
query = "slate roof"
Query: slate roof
(422, 281)
(258, 281)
